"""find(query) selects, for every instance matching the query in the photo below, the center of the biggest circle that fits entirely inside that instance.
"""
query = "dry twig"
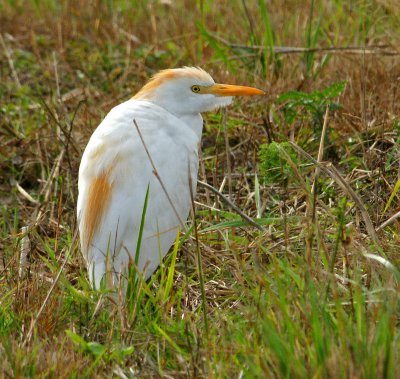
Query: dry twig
(364, 50)
(155, 172)
(10, 61)
(389, 221)
(319, 160)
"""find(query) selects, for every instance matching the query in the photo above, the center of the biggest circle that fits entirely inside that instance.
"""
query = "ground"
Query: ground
(311, 292)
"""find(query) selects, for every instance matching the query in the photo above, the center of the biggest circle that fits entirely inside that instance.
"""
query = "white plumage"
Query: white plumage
(115, 171)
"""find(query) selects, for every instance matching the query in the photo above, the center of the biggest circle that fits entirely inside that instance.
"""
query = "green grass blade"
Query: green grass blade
(392, 195)
(259, 221)
(268, 33)
(132, 290)
(171, 270)
(257, 196)
(142, 221)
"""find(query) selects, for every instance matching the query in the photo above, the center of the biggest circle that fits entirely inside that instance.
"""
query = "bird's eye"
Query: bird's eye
(196, 89)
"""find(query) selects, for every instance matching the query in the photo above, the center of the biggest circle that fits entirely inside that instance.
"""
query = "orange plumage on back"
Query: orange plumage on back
(99, 196)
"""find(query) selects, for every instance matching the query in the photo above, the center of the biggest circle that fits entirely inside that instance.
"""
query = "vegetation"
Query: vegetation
(311, 292)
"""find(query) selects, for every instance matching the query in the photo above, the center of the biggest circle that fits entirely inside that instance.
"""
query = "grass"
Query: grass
(312, 294)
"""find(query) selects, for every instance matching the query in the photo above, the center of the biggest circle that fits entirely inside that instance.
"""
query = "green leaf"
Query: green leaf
(303, 106)
(76, 339)
(96, 349)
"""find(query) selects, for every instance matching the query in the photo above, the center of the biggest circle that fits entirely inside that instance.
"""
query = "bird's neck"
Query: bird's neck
(194, 122)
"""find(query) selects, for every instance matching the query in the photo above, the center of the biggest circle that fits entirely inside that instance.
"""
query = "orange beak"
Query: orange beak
(231, 90)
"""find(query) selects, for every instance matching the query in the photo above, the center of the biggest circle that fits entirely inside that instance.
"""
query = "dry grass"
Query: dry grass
(299, 298)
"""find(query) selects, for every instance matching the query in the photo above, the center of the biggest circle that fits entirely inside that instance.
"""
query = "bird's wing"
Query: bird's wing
(113, 178)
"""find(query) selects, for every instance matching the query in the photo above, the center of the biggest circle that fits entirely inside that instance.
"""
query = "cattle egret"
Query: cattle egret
(148, 143)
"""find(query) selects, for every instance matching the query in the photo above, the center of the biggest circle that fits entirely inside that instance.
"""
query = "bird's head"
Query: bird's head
(190, 90)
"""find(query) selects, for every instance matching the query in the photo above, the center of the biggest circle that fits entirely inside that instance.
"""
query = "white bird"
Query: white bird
(116, 171)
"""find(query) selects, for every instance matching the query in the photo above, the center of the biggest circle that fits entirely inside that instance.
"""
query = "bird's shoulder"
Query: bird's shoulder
(150, 115)
(116, 142)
